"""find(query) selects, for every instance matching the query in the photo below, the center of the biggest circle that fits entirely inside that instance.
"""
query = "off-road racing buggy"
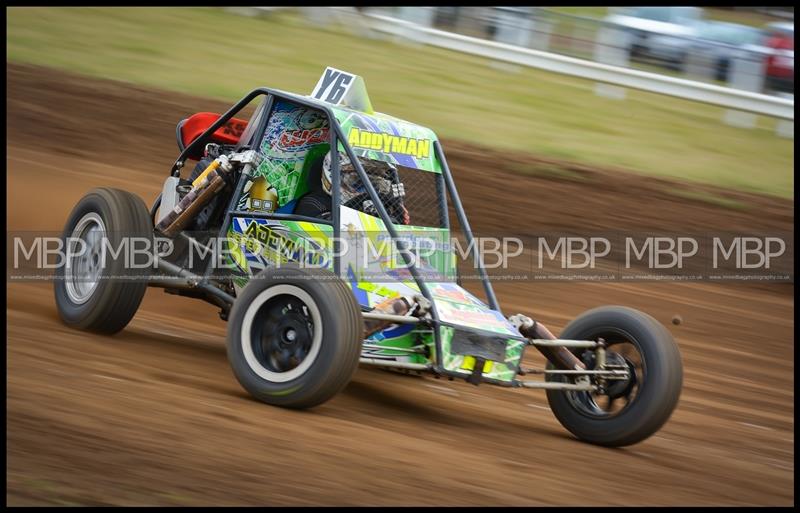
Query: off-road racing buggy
(303, 224)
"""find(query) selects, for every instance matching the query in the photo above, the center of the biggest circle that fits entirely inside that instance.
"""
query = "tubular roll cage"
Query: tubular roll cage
(216, 295)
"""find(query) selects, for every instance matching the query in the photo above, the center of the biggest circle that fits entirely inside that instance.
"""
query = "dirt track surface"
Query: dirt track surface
(154, 415)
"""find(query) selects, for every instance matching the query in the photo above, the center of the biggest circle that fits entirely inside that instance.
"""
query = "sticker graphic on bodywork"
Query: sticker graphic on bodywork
(389, 139)
(294, 135)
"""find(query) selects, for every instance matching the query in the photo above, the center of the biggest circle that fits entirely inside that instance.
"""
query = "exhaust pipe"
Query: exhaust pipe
(204, 187)
(561, 357)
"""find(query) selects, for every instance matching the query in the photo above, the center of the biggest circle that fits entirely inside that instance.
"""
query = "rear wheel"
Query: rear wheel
(626, 411)
(95, 290)
(294, 336)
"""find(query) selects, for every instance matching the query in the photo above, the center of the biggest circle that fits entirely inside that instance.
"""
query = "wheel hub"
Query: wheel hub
(620, 387)
(288, 341)
(292, 332)
(600, 403)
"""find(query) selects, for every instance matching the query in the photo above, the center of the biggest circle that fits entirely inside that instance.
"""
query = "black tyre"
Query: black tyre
(294, 336)
(85, 295)
(628, 411)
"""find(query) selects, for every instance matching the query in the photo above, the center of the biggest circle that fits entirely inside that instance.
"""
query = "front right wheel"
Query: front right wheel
(630, 410)
(102, 282)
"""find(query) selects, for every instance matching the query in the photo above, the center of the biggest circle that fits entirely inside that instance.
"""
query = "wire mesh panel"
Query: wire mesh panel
(410, 196)
(424, 198)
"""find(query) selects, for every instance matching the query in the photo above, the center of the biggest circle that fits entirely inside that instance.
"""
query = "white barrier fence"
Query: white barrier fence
(419, 32)
(698, 91)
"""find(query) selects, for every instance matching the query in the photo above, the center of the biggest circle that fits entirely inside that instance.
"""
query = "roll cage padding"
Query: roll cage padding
(192, 127)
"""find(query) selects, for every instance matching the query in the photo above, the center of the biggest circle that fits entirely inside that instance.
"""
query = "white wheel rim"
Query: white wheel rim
(247, 325)
(82, 271)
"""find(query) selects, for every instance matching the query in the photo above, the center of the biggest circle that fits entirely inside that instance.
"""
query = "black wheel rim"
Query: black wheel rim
(619, 395)
(282, 333)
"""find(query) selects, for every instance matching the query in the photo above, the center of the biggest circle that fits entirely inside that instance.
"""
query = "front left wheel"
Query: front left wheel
(294, 336)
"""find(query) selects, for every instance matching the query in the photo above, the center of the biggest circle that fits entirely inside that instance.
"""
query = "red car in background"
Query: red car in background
(780, 64)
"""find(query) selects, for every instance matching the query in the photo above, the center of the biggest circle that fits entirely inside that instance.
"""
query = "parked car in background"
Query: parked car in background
(718, 43)
(780, 64)
(658, 34)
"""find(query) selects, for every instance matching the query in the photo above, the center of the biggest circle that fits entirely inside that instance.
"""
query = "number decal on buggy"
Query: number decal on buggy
(332, 85)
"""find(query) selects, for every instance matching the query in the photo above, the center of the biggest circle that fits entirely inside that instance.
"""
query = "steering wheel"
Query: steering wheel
(394, 207)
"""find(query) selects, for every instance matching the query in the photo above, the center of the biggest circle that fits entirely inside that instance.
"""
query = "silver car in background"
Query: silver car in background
(718, 43)
(658, 34)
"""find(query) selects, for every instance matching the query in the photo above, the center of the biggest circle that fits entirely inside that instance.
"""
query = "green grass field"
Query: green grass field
(211, 52)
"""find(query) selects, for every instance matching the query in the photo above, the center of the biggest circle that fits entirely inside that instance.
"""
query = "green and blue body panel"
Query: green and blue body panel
(255, 244)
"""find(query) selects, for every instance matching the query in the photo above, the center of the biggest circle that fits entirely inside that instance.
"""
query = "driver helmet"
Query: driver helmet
(382, 175)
